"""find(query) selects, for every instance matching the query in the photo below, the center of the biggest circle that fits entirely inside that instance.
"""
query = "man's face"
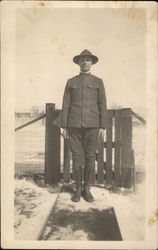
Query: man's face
(85, 63)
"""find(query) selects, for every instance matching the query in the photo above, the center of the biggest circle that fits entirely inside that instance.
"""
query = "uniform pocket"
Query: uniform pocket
(76, 86)
(92, 86)
(93, 91)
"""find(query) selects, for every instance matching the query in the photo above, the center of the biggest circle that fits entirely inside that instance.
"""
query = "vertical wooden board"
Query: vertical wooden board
(126, 150)
(117, 156)
(52, 146)
(56, 147)
(109, 176)
(100, 164)
(66, 161)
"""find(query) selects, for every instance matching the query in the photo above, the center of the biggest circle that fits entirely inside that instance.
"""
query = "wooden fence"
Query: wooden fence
(115, 157)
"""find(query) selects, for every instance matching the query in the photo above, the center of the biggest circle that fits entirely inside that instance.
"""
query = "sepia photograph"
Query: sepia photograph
(79, 125)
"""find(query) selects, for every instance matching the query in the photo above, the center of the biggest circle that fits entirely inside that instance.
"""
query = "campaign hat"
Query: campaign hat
(85, 53)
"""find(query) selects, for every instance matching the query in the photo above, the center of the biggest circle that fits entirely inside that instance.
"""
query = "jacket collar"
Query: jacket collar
(85, 73)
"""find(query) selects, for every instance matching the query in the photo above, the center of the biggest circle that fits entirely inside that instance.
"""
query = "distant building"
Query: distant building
(23, 113)
(32, 112)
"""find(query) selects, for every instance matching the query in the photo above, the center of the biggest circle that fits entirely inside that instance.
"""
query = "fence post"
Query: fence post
(52, 146)
(117, 147)
(126, 149)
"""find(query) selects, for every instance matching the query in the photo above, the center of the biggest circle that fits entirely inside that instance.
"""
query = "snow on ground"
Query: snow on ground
(130, 212)
(32, 205)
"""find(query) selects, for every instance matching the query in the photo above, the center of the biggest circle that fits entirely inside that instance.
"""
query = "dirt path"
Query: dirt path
(81, 221)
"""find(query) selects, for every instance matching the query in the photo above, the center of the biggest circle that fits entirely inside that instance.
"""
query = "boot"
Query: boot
(86, 192)
(77, 195)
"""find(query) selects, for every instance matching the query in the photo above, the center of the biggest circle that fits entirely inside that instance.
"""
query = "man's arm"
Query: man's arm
(102, 104)
(65, 106)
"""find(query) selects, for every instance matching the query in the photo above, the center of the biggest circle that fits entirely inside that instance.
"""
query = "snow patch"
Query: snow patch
(32, 205)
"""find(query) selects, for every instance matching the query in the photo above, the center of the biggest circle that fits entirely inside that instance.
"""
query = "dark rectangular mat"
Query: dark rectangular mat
(99, 225)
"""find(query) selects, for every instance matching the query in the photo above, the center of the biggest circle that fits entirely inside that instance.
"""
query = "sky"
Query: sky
(47, 39)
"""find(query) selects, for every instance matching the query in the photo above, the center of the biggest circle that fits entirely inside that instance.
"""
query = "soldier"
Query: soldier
(83, 119)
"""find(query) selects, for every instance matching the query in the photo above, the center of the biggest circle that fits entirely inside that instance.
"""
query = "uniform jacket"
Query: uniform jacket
(84, 102)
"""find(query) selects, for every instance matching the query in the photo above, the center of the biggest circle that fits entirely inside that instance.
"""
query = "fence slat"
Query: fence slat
(126, 149)
(100, 163)
(52, 146)
(109, 175)
(117, 148)
(66, 161)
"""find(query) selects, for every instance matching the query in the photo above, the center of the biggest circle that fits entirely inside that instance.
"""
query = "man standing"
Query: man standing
(83, 119)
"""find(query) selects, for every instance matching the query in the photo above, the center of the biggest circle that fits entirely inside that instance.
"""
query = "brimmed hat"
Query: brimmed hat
(85, 53)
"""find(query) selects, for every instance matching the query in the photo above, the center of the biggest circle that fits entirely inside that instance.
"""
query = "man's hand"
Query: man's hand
(65, 134)
(101, 133)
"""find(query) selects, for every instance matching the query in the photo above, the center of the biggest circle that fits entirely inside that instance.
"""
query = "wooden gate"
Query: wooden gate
(114, 159)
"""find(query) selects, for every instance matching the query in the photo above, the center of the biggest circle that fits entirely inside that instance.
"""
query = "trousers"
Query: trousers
(83, 144)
